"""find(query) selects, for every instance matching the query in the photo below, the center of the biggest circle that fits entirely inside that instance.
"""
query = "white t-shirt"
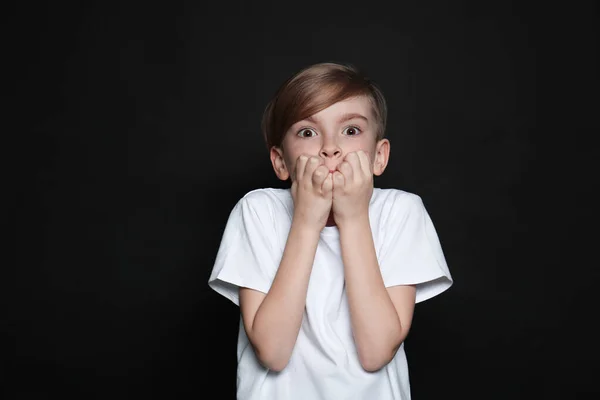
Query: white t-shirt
(324, 363)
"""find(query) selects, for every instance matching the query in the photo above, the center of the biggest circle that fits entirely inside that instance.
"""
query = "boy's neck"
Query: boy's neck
(330, 220)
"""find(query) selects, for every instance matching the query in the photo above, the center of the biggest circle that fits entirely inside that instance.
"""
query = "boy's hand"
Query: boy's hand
(352, 187)
(312, 191)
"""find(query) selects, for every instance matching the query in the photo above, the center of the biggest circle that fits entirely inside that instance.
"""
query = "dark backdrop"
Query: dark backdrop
(136, 130)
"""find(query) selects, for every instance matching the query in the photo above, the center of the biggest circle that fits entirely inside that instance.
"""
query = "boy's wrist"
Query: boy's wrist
(357, 222)
(304, 225)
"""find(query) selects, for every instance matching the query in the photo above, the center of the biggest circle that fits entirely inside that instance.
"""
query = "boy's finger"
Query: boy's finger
(319, 175)
(365, 163)
(354, 161)
(328, 183)
(311, 165)
(347, 170)
(338, 180)
(300, 166)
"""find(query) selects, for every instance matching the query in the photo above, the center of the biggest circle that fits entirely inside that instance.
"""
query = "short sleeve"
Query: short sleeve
(411, 253)
(246, 255)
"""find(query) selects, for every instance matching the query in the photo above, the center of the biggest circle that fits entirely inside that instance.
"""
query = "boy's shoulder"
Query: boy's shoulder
(395, 197)
(268, 198)
(267, 194)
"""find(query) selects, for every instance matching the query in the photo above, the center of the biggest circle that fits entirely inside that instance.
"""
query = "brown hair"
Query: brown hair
(313, 89)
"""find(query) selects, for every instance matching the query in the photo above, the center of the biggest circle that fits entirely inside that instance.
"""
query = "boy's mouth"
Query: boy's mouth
(332, 167)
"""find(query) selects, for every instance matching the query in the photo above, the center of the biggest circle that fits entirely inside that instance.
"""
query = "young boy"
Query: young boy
(327, 272)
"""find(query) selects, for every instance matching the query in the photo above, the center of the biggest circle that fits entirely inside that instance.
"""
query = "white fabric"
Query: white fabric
(324, 363)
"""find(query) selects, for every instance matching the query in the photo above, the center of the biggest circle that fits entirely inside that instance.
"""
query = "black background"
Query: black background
(134, 129)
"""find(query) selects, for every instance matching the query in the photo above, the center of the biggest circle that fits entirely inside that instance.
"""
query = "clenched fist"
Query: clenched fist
(352, 187)
(312, 185)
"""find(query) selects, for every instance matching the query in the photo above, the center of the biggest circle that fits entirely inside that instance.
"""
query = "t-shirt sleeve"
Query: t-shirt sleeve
(246, 255)
(411, 253)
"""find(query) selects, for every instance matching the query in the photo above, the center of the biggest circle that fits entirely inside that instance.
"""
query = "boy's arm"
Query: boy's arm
(272, 321)
(381, 317)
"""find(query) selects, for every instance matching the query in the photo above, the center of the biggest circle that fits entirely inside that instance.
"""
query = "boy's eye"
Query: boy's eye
(351, 131)
(306, 133)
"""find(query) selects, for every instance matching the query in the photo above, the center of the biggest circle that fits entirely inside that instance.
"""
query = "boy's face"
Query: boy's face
(344, 127)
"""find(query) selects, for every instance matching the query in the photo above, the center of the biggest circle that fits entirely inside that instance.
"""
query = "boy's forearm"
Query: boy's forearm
(277, 321)
(376, 326)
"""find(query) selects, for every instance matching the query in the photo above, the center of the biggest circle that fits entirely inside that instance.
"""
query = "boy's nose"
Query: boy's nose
(330, 151)
(331, 158)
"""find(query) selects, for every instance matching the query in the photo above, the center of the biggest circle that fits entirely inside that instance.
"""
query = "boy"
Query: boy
(327, 272)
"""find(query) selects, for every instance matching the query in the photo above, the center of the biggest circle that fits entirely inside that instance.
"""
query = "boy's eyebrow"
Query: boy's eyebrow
(343, 118)
(349, 116)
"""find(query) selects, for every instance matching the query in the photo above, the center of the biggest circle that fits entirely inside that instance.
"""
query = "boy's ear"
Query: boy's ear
(382, 156)
(278, 163)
